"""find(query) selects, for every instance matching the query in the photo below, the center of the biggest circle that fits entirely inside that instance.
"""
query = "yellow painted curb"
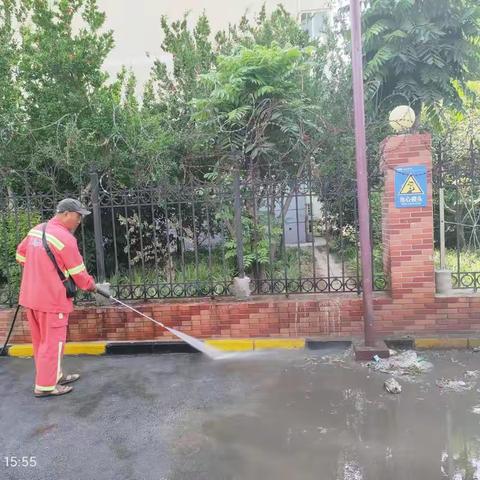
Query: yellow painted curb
(473, 342)
(441, 343)
(85, 348)
(231, 344)
(22, 350)
(73, 348)
(277, 343)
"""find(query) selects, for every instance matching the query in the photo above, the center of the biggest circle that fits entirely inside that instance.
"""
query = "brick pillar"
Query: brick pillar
(407, 232)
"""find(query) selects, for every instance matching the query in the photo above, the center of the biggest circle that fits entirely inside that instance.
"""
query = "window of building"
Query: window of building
(315, 23)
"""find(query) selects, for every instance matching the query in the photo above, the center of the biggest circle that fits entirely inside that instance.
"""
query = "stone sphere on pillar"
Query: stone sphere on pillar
(402, 118)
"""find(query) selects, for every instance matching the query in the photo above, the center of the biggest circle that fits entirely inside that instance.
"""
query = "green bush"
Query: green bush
(13, 228)
(469, 260)
(219, 270)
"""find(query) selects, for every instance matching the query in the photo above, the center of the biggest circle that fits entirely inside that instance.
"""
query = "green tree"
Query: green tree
(256, 113)
(169, 91)
(67, 101)
(60, 113)
(416, 51)
(11, 102)
(240, 100)
(261, 127)
(280, 28)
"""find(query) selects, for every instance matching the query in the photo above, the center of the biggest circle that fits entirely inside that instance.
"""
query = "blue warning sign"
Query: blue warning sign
(411, 186)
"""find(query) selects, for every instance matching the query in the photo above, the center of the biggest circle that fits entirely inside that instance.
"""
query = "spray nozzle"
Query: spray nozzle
(102, 291)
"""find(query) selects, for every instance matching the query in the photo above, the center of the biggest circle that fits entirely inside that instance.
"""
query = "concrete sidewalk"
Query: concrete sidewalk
(296, 415)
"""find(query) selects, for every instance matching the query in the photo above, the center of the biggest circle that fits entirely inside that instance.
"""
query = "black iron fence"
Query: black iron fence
(172, 241)
(456, 179)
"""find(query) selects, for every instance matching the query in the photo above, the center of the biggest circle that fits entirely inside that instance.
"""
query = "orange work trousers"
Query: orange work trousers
(49, 334)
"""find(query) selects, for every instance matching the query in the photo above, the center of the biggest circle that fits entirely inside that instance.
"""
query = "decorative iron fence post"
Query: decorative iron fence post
(237, 204)
(97, 227)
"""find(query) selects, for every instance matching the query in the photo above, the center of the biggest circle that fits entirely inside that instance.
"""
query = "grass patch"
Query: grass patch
(469, 260)
(349, 254)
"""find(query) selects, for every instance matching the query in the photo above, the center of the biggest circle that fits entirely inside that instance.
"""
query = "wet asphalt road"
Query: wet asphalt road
(277, 415)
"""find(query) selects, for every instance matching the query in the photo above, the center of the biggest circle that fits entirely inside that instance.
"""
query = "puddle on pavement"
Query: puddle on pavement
(299, 413)
(285, 415)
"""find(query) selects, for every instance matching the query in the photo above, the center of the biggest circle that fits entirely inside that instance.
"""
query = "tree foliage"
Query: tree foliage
(259, 92)
(61, 115)
(67, 102)
(11, 104)
(257, 113)
(417, 51)
(280, 28)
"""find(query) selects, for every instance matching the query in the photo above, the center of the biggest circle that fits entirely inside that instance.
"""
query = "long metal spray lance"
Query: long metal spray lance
(194, 342)
(362, 176)
(106, 294)
(138, 311)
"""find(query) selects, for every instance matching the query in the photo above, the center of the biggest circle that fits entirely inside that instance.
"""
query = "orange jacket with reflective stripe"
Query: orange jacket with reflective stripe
(41, 287)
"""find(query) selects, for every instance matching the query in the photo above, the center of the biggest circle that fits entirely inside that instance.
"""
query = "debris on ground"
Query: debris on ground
(405, 363)
(454, 360)
(392, 352)
(454, 384)
(392, 386)
(460, 385)
(341, 359)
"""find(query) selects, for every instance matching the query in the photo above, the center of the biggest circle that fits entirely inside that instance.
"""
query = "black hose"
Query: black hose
(10, 331)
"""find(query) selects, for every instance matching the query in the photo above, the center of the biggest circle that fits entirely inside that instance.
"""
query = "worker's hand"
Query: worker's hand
(104, 292)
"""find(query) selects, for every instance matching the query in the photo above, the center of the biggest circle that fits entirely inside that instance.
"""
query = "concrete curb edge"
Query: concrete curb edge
(244, 344)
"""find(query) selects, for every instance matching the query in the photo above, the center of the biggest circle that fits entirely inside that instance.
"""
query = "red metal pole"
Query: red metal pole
(362, 173)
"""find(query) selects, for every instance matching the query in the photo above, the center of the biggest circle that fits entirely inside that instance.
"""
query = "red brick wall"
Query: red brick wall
(407, 232)
(410, 307)
(300, 316)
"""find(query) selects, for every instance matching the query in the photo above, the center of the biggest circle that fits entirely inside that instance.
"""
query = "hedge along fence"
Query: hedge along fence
(15, 223)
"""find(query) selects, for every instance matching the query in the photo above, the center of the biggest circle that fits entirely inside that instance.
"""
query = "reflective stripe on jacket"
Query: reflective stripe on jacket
(41, 287)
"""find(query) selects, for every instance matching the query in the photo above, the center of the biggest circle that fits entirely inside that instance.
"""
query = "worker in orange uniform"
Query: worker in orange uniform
(51, 260)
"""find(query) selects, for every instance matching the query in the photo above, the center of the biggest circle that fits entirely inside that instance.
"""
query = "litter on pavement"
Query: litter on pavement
(404, 364)
(392, 386)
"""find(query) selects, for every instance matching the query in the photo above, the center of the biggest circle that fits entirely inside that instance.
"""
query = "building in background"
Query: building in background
(138, 37)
